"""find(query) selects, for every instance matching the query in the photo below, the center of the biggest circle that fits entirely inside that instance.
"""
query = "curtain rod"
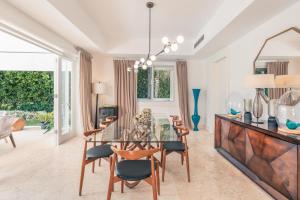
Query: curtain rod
(272, 60)
(80, 49)
(134, 58)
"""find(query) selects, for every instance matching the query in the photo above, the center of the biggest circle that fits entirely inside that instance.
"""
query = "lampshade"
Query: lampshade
(287, 81)
(260, 81)
(99, 88)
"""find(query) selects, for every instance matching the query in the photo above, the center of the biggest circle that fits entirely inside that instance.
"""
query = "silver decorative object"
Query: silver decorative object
(259, 82)
(247, 105)
(257, 105)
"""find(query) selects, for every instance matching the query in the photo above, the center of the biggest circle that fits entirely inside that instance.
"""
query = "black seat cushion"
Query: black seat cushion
(174, 146)
(100, 151)
(134, 170)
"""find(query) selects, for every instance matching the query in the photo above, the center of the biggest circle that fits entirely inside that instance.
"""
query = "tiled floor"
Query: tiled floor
(37, 170)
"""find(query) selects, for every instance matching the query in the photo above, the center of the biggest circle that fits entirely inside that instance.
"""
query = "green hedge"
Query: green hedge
(26, 91)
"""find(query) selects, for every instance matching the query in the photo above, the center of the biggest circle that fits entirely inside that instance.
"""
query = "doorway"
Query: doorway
(41, 82)
(218, 90)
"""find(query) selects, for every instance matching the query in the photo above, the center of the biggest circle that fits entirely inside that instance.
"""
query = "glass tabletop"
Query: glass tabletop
(125, 129)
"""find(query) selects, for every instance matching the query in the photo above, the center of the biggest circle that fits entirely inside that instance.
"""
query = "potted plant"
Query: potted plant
(46, 120)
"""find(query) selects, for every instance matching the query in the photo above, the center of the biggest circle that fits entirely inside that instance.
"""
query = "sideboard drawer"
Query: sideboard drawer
(274, 161)
(233, 140)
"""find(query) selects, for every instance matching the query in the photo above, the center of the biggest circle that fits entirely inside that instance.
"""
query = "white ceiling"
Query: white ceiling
(128, 19)
(120, 27)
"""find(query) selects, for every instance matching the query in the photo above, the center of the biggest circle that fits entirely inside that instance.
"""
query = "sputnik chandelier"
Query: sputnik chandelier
(168, 46)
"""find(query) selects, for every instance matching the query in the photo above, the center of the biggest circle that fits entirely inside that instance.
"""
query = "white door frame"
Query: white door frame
(62, 136)
(218, 83)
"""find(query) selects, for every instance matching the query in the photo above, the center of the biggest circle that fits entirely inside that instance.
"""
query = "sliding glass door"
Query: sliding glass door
(63, 100)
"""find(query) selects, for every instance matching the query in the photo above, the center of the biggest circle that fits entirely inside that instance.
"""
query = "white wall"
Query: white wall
(294, 66)
(218, 76)
(242, 52)
(103, 70)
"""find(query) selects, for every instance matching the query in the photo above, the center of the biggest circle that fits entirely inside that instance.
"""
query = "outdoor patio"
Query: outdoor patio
(30, 135)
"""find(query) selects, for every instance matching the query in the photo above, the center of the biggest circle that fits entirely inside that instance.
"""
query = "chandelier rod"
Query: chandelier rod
(167, 47)
(149, 49)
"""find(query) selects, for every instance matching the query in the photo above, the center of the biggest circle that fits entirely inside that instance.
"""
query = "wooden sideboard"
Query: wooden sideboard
(268, 157)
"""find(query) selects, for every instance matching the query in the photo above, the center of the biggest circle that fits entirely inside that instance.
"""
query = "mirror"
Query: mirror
(279, 55)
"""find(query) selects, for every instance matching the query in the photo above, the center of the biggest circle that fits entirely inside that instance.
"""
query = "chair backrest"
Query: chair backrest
(5, 126)
(134, 154)
(176, 121)
(182, 130)
(92, 132)
(174, 117)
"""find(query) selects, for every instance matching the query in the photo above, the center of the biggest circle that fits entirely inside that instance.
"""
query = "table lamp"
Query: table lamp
(98, 88)
(288, 104)
(259, 82)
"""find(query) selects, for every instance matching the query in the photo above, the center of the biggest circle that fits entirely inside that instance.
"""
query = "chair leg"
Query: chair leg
(12, 140)
(110, 186)
(154, 187)
(182, 159)
(93, 167)
(99, 162)
(94, 144)
(110, 162)
(157, 180)
(122, 186)
(81, 177)
(161, 156)
(110, 168)
(164, 165)
(188, 166)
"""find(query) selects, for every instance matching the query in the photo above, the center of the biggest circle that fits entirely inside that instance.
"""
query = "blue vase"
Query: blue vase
(196, 117)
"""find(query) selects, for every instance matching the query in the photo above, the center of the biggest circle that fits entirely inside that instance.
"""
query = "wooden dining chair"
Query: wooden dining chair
(180, 147)
(92, 154)
(176, 122)
(134, 169)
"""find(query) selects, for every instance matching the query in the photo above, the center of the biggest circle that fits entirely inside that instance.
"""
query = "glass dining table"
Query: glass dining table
(123, 130)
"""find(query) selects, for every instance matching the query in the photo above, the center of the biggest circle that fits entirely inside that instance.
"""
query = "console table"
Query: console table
(268, 157)
(107, 111)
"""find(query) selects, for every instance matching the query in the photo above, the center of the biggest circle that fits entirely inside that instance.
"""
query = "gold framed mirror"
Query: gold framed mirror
(279, 55)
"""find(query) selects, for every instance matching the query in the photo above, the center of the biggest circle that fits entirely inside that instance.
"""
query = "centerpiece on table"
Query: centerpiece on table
(142, 123)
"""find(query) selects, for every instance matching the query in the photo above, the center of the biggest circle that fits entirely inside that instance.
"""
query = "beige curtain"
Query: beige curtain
(85, 84)
(125, 91)
(183, 91)
(277, 68)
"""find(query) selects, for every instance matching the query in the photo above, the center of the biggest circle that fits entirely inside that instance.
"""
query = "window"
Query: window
(155, 83)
